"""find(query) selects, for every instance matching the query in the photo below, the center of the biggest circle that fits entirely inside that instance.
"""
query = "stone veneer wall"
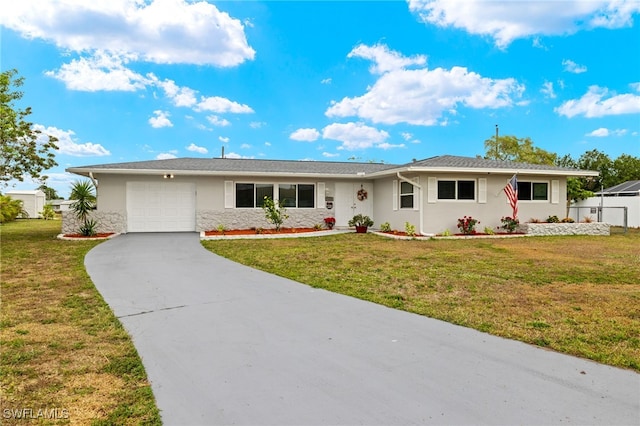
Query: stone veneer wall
(107, 222)
(208, 220)
(595, 228)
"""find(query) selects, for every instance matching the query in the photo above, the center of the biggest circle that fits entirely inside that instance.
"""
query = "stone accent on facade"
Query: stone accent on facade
(540, 229)
(209, 220)
(107, 222)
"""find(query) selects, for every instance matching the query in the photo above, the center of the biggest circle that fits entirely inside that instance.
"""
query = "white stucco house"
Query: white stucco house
(195, 194)
(610, 204)
(32, 201)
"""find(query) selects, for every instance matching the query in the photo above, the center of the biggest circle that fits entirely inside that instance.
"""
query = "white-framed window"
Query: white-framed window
(251, 195)
(533, 191)
(293, 195)
(456, 190)
(297, 195)
(406, 195)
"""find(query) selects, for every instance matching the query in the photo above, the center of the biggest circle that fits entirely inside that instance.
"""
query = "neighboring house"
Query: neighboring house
(195, 194)
(613, 200)
(60, 206)
(32, 201)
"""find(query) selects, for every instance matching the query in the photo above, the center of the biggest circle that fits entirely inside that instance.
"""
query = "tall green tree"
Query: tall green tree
(596, 160)
(511, 148)
(49, 192)
(626, 167)
(23, 152)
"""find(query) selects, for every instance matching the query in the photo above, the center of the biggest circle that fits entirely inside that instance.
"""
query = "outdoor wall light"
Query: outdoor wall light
(168, 176)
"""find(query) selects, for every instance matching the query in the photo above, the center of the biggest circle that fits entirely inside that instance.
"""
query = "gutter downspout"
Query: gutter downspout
(95, 182)
(420, 209)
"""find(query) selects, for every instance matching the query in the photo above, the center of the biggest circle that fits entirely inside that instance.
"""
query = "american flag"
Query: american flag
(512, 195)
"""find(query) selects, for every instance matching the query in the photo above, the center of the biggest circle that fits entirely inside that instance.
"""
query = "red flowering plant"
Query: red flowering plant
(467, 225)
(330, 221)
(509, 224)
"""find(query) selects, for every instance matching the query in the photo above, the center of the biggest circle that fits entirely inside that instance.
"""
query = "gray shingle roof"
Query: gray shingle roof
(320, 168)
(243, 165)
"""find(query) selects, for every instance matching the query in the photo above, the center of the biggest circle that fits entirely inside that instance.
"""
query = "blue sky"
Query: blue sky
(128, 80)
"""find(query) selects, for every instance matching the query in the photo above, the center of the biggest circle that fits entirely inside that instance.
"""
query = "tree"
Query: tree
(625, 168)
(84, 196)
(510, 148)
(596, 160)
(23, 150)
(49, 192)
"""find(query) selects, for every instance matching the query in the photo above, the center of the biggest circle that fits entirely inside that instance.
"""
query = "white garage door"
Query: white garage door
(161, 206)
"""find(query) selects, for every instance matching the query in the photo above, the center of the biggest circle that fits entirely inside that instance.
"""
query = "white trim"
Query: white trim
(555, 191)
(229, 194)
(320, 195)
(482, 190)
(395, 195)
(432, 190)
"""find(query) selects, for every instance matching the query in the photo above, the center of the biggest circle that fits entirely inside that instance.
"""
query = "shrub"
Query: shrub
(361, 220)
(553, 219)
(274, 212)
(509, 224)
(318, 226)
(534, 220)
(467, 225)
(88, 228)
(385, 227)
(410, 229)
(488, 230)
(10, 209)
(47, 212)
(567, 220)
(84, 196)
(587, 219)
(330, 222)
(446, 233)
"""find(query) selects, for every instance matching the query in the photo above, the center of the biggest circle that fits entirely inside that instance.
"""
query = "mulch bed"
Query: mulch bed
(98, 235)
(260, 231)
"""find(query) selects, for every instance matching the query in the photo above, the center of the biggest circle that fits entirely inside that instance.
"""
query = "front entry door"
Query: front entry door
(347, 204)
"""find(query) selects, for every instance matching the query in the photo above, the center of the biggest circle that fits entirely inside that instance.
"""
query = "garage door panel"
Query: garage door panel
(160, 206)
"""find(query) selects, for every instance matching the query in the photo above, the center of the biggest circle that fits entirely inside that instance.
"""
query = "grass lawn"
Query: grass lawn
(577, 294)
(63, 353)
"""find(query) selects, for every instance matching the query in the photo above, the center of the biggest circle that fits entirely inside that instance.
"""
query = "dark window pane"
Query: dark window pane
(446, 190)
(466, 190)
(306, 196)
(288, 195)
(540, 191)
(244, 195)
(263, 190)
(406, 201)
(524, 190)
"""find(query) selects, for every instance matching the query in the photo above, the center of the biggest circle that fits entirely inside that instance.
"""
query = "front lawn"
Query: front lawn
(65, 358)
(577, 294)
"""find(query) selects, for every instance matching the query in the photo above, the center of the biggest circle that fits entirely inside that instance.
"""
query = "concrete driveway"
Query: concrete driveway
(226, 344)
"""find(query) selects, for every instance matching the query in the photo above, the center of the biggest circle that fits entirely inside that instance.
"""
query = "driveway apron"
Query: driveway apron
(226, 344)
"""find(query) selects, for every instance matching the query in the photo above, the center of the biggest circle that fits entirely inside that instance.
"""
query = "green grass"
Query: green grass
(61, 346)
(578, 295)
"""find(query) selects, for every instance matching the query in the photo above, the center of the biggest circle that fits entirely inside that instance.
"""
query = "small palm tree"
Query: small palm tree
(84, 195)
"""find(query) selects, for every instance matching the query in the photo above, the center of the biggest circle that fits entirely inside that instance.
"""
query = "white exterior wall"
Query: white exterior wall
(612, 216)
(489, 206)
(32, 201)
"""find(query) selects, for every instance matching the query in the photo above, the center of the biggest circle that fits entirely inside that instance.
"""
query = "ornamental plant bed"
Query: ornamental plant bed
(402, 234)
(98, 235)
(257, 231)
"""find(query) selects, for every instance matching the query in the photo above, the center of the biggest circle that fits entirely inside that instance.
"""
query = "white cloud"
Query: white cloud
(354, 135)
(161, 119)
(267, 144)
(180, 96)
(308, 135)
(68, 145)
(217, 121)
(245, 146)
(604, 132)
(599, 133)
(236, 155)
(257, 124)
(385, 59)
(422, 96)
(547, 90)
(387, 145)
(102, 71)
(160, 31)
(506, 21)
(325, 81)
(221, 105)
(572, 67)
(406, 136)
(330, 155)
(599, 102)
(195, 148)
(223, 139)
(165, 156)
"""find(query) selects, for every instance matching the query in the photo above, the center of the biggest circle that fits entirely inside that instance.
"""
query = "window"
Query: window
(406, 195)
(297, 195)
(244, 195)
(249, 195)
(537, 191)
(456, 190)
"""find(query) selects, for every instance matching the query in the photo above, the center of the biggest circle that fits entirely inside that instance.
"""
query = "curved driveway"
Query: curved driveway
(226, 344)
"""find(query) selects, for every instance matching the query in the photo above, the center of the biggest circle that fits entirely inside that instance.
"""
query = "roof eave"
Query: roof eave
(476, 170)
(178, 172)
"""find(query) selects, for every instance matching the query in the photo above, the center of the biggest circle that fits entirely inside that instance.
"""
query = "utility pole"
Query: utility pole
(497, 144)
